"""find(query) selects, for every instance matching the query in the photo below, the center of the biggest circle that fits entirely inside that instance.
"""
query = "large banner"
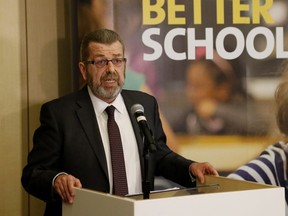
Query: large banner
(213, 65)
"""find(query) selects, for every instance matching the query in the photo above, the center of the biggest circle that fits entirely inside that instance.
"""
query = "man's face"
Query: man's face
(105, 82)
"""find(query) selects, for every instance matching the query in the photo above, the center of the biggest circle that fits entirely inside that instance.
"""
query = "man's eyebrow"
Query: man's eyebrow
(98, 55)
(102, 55)
(117, 55)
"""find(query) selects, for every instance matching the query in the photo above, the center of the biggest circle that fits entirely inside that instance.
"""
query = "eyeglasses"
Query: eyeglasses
(103, 62)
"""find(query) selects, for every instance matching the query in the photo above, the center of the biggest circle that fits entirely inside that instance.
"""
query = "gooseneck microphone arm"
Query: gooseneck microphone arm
(138, 111)
(149, 145)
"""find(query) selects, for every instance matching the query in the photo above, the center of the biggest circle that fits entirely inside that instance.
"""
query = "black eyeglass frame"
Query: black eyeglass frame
(115, 62)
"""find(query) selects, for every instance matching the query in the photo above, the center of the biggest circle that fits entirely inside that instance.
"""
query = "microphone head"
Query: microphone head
(137, 108)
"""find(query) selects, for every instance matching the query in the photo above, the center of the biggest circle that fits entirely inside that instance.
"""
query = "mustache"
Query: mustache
(110, 75)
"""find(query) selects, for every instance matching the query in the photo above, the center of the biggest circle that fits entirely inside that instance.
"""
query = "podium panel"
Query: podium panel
(218, 196)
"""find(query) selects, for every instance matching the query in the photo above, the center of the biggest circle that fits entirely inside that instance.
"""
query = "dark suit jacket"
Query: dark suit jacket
(68, 140)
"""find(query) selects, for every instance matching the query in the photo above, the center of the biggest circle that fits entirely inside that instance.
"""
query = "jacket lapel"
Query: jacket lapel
(89, 123)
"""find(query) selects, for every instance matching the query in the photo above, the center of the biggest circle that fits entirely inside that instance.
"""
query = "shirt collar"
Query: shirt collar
(100, 105)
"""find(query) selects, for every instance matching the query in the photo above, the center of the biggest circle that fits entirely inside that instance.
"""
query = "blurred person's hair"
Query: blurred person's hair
(281, 99)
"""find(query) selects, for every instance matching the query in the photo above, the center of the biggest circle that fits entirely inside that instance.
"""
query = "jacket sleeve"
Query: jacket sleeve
(43, 159)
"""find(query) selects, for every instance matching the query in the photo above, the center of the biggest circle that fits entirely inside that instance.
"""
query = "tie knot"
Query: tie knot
(110, 111)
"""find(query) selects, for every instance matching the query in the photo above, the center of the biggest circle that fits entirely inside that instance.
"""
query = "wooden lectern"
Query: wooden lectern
(218, 196)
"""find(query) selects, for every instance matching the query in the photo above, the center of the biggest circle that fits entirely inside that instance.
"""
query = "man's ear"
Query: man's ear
(83, 70)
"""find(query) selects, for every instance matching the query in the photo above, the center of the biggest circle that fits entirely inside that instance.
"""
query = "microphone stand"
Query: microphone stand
(149, 147)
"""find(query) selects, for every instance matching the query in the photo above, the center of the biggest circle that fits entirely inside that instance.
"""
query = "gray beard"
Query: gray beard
(102, 93)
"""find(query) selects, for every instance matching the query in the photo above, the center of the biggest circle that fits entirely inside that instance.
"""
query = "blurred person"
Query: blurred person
(72, 146)
(271, 166)
(219, 104)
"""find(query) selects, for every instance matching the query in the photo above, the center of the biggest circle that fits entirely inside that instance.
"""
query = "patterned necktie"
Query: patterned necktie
(117, 158)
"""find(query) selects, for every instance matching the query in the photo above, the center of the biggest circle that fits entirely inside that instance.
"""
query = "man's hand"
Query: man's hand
(201, 169)
(64, 185)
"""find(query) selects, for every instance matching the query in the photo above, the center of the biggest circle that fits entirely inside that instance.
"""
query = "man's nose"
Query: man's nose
(110, 66)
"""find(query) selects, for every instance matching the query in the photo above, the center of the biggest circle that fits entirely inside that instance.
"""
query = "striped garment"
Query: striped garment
(269, 168)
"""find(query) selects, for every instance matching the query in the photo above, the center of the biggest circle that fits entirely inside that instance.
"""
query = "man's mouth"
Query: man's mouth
(110, 81)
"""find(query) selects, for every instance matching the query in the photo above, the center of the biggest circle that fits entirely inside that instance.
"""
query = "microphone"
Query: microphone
(138, 112)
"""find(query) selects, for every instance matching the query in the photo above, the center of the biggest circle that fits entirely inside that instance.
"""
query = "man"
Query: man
(71, 146)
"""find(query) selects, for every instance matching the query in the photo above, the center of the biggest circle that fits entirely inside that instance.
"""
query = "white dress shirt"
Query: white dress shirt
(130, 148)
